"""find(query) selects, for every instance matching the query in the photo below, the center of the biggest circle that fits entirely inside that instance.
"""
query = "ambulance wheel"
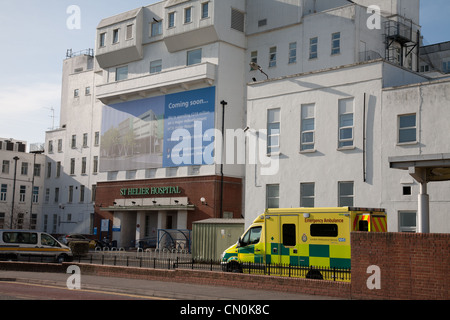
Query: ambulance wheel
(314, 274)
(234, 267)
(62, 258)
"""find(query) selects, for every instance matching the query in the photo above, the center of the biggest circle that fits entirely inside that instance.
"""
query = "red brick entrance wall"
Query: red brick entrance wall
(208, 187)
(412, 266)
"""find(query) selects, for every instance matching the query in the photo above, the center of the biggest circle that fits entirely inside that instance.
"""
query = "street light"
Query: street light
(256, 66)
(14, 191)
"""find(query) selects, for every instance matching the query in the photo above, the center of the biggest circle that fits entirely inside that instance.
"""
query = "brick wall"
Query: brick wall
(412, 266)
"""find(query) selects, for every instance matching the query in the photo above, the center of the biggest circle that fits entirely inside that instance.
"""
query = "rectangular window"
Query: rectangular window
(313, 48)
(307, 138)
(3, 192)
(56, 195)
(70, 200)
(58, 169)
(336, 43)
(446, 67)
(97, 138)
(407, 221)
(5, 167)
(83, 165)
(60, 145)
(87, 91)
(346, 123)
(102, 41)
(50, 146)
(194, 57)
(72, 166)
(49, 170)
(205, 10)
(37, 170)
(237, 20)
(273, 196)
(116, 36)
(22, 193)
(292, 52)
(82, 191)
(76, 93)
(324, 230)
(273, 131)
(407, 127)
(156, 28)
(273, 57)
(254, 58)
(85, 140)
(73, 144)
(122, 73)
(35, 194)
(188, 15)
(346, 194)
(171, 20)
(289, 235)
(307, 194)
(2, 220)
(95, 165)
(129, 32)
(24, 169)
(156, 66)
(47, 195)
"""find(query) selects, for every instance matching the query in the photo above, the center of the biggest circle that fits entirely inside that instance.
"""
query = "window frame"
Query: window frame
(270, 197)
(400, 129)
(272, 126)
(313, 48)
(336, 50)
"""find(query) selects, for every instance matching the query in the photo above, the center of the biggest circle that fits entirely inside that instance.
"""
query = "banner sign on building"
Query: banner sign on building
(158, 132)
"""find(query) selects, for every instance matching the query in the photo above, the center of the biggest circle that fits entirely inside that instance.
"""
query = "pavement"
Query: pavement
(155, 289)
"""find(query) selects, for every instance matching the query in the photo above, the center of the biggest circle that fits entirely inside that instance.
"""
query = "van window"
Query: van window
(324, 230)
(251, 237)
(363, 225)
(289, 236)
(20, 237)
(47, 240)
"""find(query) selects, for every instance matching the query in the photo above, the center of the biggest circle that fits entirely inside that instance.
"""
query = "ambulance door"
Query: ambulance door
(282, 239)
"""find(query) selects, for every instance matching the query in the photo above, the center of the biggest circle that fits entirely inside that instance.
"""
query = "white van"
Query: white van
(33, 246)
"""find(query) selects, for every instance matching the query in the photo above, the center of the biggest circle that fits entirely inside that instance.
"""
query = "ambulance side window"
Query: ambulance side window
(324, 230)
(251, 237)
(289, 236)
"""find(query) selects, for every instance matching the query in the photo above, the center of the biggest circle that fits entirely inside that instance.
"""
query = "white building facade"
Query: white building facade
(142, 119)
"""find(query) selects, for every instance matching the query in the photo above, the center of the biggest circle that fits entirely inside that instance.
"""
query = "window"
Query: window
(205, 10)
(85, 140)
(24, 169)
(122, 73)
(307, 139)
(54, 226)
(70, 200)
(273, 196)
(83, 165)
(22, 194)
(292, 52)
(313, 48)
(93, 192)
(251, 237)
(95, 165)
(37, 170)
(76, 93)
(346, 194)
(346, 123)
(5, 167)
(2, 220)
(254, 57)
(156, 66)
(20, 237)
(171, 19)
(72, 166)
(336, 43)
(50, 146)
(130, 174)
(407, 221)
(60, 145)
(407, 128)
(323, 230)
(58, 169)
(273, 57)
(273, 131)
(307, 193)
(407, 190)
(47, 195)
(49, 169)
(194, 57)
(82, 191)
(156, 28)
(289, 235)
(188, 15)
(97, 138)
(446, 67)
(129, 32)
(73, 144)
(116, 36)
(262, 23)
(237, 20)
(35, 194)
(3, 192)
(102, 40)
(87, 91)
(56, 195)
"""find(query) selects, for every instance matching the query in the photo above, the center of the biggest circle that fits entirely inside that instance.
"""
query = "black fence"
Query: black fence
(186, 262)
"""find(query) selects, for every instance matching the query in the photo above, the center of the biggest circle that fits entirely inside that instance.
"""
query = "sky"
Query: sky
(35, 36)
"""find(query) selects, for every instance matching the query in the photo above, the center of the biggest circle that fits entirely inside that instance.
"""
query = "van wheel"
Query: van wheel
(314, 274)
(234, 267)
(61, 258)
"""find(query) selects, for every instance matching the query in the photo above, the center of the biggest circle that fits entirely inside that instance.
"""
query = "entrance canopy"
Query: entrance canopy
(424, 169)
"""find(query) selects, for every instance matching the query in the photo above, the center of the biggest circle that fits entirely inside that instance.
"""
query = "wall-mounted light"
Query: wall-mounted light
(203, 201)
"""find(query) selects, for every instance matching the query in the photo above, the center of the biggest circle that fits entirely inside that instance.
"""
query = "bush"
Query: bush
(79, 248)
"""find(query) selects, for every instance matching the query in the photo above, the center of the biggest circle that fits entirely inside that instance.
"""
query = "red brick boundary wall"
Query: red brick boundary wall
(412, 266)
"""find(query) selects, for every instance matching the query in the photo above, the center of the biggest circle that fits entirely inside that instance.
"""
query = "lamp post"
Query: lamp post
(14, 190)
(224, 104)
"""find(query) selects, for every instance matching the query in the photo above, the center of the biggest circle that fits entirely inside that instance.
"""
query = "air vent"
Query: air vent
(237, 20)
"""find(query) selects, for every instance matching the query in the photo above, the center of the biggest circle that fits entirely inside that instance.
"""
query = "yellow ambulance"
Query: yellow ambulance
(309, 237)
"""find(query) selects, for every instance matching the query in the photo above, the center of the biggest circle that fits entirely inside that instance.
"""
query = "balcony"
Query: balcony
(159, 83)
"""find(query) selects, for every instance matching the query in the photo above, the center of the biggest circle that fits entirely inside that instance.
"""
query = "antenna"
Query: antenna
(53, 117)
